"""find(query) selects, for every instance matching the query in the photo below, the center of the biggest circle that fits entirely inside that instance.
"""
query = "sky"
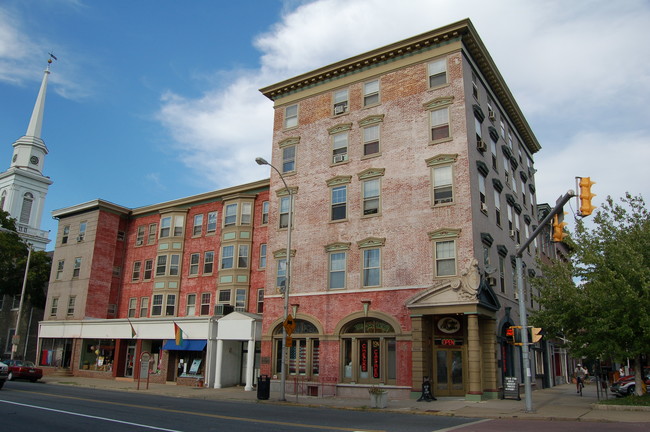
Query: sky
(154, 100)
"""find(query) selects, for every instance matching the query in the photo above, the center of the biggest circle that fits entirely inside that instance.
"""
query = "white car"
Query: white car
(4, 370)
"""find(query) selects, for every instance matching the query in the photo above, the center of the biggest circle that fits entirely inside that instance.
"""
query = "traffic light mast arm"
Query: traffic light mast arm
(556, 210)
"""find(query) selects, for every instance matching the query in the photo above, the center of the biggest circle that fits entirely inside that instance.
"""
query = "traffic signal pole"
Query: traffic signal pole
(523, 317)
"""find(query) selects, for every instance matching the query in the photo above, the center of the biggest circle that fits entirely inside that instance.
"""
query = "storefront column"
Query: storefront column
(488, 342)
(474, 358)
(417, 354)
(217, 367)
(250, 365)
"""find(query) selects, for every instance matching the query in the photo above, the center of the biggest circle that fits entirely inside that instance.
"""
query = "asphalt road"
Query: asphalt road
(36, 407)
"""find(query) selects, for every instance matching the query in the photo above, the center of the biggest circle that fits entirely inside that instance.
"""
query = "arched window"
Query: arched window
(26, 210)
(369, 351)
(304, 353)
(3, 197)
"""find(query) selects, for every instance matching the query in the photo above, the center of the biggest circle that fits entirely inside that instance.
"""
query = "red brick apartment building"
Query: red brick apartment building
(411, 169)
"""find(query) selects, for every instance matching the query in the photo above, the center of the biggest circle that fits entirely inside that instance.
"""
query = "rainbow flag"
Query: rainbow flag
(133, 333)
(178, 334)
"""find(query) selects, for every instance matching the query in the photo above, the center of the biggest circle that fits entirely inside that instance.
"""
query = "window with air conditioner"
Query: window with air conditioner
(340, 147)
(443, 185)
(340, 102)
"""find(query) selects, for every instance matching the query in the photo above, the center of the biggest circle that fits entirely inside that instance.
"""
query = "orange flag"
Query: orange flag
(178, 334)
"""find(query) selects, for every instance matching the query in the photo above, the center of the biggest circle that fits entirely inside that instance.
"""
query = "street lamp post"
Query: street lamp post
(283, 368)
(14, 346)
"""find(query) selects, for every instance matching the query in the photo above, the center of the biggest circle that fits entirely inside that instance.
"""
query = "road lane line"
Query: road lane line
(217, 416)
(90, 416)
(453, 428)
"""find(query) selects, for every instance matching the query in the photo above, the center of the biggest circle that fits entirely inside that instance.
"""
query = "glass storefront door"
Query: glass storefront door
(130, 360)
(449, 372)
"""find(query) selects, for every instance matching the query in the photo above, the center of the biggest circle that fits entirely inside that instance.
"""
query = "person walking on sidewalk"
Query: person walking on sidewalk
(579, 373)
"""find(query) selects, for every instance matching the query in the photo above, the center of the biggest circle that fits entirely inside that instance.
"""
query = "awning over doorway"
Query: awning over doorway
(186, 345)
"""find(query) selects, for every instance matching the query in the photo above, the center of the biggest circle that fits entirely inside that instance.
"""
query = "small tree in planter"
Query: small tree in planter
(378, 397)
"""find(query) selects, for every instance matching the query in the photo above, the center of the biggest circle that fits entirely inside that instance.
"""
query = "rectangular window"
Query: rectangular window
(371, 93)
(197, 229)
(59, 269)
(174, 265)
(291, 116)
(281, 274)
(66, 234)
(230, 215)
(340, 102)
(82, 231)
(156, 305)
(265, 212)
(208, 262)
(446, 258)
(55, 306)
(263, 255)
(144, 307)
(246, 213)
(165, 226)
(76, 269)
(133, 304)
(240, 299)
(437, 73)
(340, 147)
(135, 276)
(260, 301)
(442, 185)
(506, 165)
(190, 308)
(517, 229)
(481, 193)
(194, 264)
(503, 129)
(493, 150)
(212, 222)
(161, 265)
(139, 238)
(227, 257)
(502, 276)
(242, 257)
(289, 159)
(497, 206)
(284, 212)
(148, 269)
(339, 202)
(523, 192)
(439, 124)
(71, 302)
(474, 86)
(206, 300)
(511, 227)
(153, 229)
(224, 296)
(15, 303)
(371, 197)
(179, 223)
(371, 140)
(337, 270)
(170, 307)
(371, 267)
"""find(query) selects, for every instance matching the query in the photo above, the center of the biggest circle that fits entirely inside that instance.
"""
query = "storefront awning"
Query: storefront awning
(186, 345)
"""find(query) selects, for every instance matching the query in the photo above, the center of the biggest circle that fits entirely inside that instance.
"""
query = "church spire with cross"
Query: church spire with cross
(23, 186)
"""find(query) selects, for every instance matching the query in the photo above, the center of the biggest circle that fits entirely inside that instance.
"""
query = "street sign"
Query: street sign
(289, 325)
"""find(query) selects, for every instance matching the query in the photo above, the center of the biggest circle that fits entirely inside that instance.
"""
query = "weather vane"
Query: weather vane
(49, 61)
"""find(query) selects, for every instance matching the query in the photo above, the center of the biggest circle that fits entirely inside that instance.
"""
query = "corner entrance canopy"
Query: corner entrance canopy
(186, 345)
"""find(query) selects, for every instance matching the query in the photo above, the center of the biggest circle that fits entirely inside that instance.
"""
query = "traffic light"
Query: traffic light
(586, 208)
(535, 334)
(513, 334)
(558, 233)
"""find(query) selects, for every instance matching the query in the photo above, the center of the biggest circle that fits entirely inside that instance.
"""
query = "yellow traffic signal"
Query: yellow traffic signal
(586, 208)
(535, 334)
(558, 233)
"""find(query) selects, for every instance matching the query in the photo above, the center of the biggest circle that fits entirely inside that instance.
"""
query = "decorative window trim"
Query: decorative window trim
(291, 141)
(282, 254)
(527, 219)
(370, 173)
(496, 183)
(494, 134)
(502, 250)
(339, 180)
(439, 102)
(284, 192)
(478, 113)
(371, 242)
(444, 234)
(339, 128)
(371, 120)
(337, 247)
(487, 239)
(506, 151)
(441, 159)
(482, 168)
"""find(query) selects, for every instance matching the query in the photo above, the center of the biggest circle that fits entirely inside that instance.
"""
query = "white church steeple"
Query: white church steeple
(23, 186)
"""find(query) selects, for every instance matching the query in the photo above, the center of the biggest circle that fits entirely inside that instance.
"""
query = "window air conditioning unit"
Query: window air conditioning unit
(340, 109)
(80, 238)
(340, 158)
(512, 233)
(484, 207)
(492, 281)
(139, 242)
(491, 115)
(480, 145)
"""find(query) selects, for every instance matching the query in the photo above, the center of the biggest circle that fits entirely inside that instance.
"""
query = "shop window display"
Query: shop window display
(98, 354)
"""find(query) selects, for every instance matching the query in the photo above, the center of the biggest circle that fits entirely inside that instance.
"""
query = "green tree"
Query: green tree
(606, 314)
(13, 259)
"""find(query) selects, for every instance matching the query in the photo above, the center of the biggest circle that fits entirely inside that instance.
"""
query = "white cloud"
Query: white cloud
(578, 70)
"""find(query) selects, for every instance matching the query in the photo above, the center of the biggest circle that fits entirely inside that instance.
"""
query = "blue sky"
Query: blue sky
(153, 100)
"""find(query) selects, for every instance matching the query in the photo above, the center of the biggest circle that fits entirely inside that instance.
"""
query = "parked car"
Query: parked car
(4, 370)
(626, 385)
(23, 369)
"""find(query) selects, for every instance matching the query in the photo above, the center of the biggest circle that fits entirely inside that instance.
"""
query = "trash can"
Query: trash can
(263, 387)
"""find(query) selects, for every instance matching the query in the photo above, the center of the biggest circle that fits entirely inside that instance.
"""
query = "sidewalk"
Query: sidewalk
(557, 403)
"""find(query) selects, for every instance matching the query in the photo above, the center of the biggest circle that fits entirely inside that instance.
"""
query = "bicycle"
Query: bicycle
(581, 385)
